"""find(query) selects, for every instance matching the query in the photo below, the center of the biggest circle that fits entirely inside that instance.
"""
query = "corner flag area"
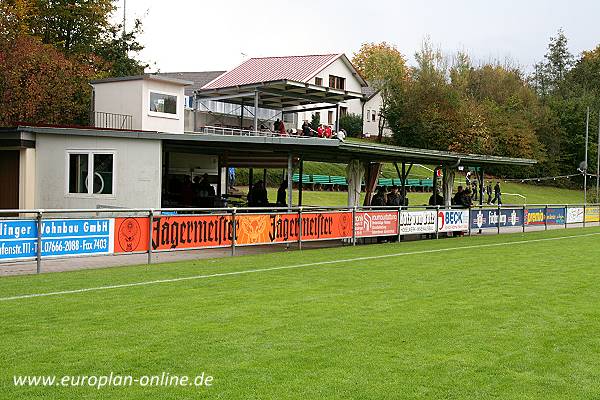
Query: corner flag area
(507, 316)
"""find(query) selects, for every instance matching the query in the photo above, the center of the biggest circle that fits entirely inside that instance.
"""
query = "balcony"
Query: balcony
(111, 120)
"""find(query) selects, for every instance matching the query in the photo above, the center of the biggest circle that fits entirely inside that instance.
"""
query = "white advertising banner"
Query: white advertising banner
(574, 215)
(413, 222)
(453, 220)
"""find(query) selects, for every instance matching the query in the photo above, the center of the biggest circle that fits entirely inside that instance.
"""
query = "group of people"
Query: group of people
(199, 193)
(465, 196)
(257, 196)
(393, 197)
(323, 131)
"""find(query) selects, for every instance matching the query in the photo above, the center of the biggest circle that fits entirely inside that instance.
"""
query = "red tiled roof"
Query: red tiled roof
(255, 70)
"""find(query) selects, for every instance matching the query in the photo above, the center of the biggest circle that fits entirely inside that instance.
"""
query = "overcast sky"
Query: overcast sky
(219, 34)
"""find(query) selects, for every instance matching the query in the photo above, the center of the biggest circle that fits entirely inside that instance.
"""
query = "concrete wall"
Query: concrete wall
(27, 178)
(136, 165)
(371, 127)
(124, 97)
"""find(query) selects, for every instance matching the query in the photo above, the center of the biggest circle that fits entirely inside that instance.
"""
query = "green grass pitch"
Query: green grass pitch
(461, 318)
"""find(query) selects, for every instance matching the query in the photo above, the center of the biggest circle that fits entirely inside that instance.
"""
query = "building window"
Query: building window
(373, 115)
(163, 103)
(330, 117)
(86, 167)
(343, 111)
(318, 81)
(337, 82)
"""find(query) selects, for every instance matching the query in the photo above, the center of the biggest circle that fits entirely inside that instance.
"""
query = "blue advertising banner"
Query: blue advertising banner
(60, 237)
(541, 216)
(488, 218)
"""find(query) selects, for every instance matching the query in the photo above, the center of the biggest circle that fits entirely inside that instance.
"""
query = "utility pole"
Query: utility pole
(585, 162)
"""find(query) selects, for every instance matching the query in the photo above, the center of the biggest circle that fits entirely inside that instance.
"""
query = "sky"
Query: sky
(198, 35)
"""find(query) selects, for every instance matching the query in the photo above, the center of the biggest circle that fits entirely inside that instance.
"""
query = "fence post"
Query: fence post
(546, 218)
(399, 226)
(523, 217)
(498, 219)
(39, 242)
(584, 215)
(469, 219)
(234, 231)
(566, 213)
(300, 227)
(354, 226)
(150, 226)
(437, 213)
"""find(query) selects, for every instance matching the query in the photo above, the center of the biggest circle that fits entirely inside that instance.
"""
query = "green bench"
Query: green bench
(321, 181)
(338, 182)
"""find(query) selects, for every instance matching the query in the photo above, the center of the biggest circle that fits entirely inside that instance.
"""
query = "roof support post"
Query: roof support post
(337, 117)
(289, 180)
(242, 115)
(255, 110)
(481, 186)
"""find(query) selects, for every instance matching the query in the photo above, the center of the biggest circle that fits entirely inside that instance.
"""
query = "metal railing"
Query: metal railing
(37, 231)
(112, 120)
(218, 130)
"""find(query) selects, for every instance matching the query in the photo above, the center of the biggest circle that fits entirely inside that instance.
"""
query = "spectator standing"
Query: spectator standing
(497, 194)
(394, 199)
(489, 193)
(282, 194)
(282, 128)
(328, 132)
(474, 186)
(380, 198)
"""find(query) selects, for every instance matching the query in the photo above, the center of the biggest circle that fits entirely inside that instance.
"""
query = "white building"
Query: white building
(143, 102)
(333, 71)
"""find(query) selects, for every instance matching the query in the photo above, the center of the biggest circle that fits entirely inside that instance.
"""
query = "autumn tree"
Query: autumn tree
(384, 67)
(50, 49)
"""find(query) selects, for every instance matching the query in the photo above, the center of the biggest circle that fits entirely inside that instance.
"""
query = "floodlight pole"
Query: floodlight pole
(598, 164)
(585, 163)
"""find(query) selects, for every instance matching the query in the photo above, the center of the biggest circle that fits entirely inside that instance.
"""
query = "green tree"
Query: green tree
(352, 124)
(385, 68)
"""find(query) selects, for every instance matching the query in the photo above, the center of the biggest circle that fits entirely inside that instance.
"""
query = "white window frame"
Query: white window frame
(162, 114)
(90, 194)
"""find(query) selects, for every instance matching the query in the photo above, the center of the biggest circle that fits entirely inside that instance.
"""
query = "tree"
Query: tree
(385, 68)
(50, 49)
(39, 84)
(550, 73)
(352, 124)
(315, 120)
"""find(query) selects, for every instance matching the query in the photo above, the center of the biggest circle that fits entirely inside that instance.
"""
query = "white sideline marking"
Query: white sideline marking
(251, 271)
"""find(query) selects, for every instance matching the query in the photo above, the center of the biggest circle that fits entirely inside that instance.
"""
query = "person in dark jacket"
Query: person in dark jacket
(466, 200)
(497, 194)
(489, 193)
(394, 199)
(379, 199)
(282, 194)
(436, 199)
(457, 199)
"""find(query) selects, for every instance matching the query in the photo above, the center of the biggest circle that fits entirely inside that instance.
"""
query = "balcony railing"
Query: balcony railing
(112, 121)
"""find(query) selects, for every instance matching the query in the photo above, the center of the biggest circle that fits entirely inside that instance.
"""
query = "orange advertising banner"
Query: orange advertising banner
(181, 232)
